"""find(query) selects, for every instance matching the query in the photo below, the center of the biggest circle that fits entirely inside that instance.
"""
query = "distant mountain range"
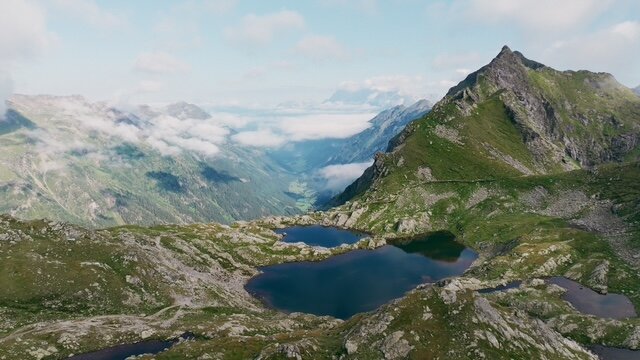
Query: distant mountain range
(372, 97)
(68, 159)
(637, 90)
(88, 163)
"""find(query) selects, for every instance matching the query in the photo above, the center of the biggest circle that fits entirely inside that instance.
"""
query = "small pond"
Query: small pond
(614, 306)
(585, 300)
(611, 353)
(318, 235)
(360, 280)
(124, 351)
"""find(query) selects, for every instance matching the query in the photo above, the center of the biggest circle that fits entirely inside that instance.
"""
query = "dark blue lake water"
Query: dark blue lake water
(124, 351)
(584, 299)
(360, 280)
(318, 235)
(615, 306)
(610, 353)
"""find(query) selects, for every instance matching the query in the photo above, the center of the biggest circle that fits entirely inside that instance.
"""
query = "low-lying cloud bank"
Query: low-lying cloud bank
(85, 127)
(100, 123)
(338, 177)
(274, 128)
(277, 132)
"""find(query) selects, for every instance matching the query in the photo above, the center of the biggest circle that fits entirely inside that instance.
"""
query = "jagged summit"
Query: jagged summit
(506, 66)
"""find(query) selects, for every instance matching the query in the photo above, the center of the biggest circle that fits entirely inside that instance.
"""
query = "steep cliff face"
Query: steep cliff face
(516, 117)
(589, 117)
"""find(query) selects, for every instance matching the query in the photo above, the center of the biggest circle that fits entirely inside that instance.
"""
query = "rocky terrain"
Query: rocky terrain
(89, 289)
(534, 169)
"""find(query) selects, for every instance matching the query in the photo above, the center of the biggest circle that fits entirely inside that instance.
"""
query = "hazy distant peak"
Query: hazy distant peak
(184, 110)
(421, 105)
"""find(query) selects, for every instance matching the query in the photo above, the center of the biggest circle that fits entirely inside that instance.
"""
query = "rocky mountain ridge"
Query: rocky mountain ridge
(515, 117)
(90, 163)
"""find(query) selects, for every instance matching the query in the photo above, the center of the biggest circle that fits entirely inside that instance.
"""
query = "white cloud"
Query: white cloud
(123, 98)
(297, 127)
(149, 86)
(220, 6)
(537, 15)
(630, 30)
(261, 29)
(159, 63)
(365, 6)
(23, 35)
(23, 31)
(261, 71)
(170, 135)
(297, 122)
(229, 120)
(323, 126)
(321, 48)
(90, 12)
(447, 61)
(259, 138)
(338, 177)
(167, 134)
(614, 49)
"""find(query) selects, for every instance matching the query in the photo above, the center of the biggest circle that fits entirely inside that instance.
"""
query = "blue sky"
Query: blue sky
(268, 52)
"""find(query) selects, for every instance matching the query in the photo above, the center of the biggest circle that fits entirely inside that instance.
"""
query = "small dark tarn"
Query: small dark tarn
(318, 235)
(121, 352)
(585, 300)
(611, 353)
(360, 280)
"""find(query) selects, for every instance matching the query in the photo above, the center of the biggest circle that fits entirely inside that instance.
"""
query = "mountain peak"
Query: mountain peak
(502, 69)
(515, 57)
(505, 50)
(185, 110)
